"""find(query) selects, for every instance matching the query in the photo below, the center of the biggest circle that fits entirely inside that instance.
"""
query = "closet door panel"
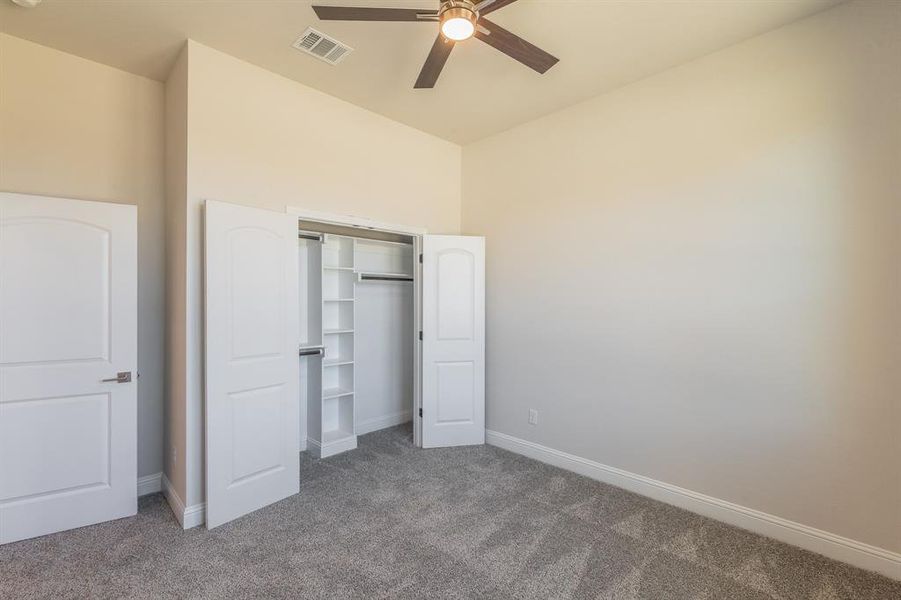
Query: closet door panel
(252, 366)
(453, 364)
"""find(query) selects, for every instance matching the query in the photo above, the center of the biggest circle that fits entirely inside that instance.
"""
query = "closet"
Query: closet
(356, 343)
(320, 328)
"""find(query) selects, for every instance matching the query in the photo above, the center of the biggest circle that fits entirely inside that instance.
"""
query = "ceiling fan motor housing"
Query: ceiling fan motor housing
(458, 9)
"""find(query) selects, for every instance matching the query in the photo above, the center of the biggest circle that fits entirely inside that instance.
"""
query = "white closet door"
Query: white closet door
(68, 325)
(252, 365)
(453, 341)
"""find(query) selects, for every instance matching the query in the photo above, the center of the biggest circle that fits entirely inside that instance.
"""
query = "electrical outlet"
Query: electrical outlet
(533, 416)
(173, 457)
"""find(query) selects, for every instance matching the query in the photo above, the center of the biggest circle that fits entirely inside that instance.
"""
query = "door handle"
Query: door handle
(121, 377)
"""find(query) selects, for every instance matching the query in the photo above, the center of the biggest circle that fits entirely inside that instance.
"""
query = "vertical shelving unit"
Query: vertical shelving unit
(337, 406)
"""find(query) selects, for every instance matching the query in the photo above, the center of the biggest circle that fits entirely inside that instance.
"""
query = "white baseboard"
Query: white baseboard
(320, 450)
(194, 516)
(188, 517)
(370, 425)
(150, 484)
(822, 542)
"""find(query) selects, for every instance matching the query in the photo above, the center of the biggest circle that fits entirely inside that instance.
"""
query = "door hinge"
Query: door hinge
(420, 335)
(420, 258)
(420, 413)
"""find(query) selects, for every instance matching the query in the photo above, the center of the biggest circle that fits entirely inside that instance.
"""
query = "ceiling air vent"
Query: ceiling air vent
(322, 46)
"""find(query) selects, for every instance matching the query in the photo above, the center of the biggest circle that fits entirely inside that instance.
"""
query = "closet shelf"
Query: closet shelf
(336, 331)
(336, 362)
(337, 299)
(374, 242)
(331, 268)
(335, 393)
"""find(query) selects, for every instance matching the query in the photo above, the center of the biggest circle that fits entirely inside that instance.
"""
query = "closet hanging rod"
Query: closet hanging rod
(309, 236)
(319, 350)
(374, 277)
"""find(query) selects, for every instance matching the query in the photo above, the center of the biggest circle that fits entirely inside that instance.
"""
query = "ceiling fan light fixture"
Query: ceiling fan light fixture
(458, 20)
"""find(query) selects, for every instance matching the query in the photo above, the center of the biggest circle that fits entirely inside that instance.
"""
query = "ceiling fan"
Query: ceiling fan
(460, 20)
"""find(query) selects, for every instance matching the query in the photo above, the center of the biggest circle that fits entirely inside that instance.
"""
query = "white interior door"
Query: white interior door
(453, 340)
(68, 325)
(252, 365)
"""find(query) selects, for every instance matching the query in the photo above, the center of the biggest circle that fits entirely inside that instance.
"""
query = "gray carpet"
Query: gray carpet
(390, 521)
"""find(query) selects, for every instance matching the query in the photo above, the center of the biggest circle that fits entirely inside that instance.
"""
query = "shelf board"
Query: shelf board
(370, 241)
(331, 268)
(335, 435)
(335, 393)
(337, 299)
(337, 236)
(336, 331)
(336, 362)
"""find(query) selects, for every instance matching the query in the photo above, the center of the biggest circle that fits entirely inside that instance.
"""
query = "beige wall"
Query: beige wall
(259, 139)
(176, 126)
(74, 128)
(695, 278)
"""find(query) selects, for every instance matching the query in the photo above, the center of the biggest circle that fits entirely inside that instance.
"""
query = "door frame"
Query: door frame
(416, 233)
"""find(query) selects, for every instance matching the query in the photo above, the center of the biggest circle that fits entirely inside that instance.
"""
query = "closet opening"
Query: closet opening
(359, 335)
(321, 328)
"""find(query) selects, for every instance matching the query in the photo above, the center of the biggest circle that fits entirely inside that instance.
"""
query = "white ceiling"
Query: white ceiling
(601, 44)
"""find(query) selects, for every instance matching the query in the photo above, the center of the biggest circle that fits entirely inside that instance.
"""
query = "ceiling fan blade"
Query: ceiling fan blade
(441, 49)
(353, 13)
(488, 6)
(514, 46)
